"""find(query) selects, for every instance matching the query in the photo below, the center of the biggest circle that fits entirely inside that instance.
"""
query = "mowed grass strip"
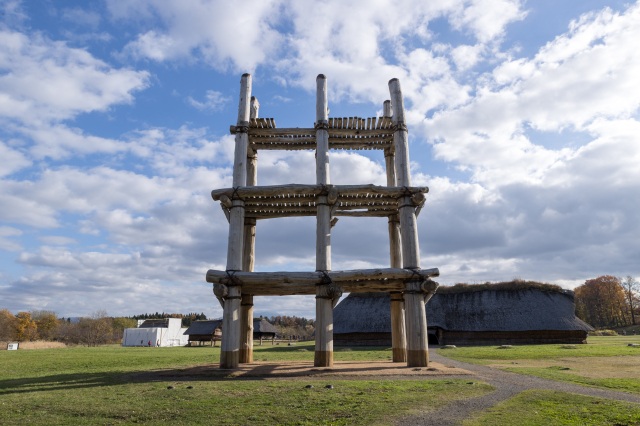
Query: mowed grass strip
(115, 385)
(597, 346)
(540, 407)
(102, 359)
(565, 374)
(605, 362)
(234, 402)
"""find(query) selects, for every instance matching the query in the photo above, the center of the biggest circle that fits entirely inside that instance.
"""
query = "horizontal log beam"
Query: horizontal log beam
(299, 189)
(316, 278)
(290, 289)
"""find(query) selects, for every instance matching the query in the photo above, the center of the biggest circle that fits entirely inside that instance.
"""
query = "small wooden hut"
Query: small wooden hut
(205, 331)
(488, 314)
(263, 329)
(211, 331)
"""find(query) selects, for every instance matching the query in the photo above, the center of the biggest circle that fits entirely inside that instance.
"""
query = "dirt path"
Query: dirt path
(507, 385)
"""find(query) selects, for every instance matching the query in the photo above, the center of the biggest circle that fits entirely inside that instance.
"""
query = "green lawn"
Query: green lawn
(540, 407)
(114, 385)
(597, 346)
(604, 362)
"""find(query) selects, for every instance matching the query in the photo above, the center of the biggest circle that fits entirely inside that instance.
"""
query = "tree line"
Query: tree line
(187, 319)
(292, 326)
(98, 329)
(608, 302)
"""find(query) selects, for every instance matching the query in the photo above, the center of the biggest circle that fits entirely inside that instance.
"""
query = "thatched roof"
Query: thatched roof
(505, 310)
(261, 325)
(488, 308)
(505, 286)
(155, 323)
(363, 313)
(203, 327)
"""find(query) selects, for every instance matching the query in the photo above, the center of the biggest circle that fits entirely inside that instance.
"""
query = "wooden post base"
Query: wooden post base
(419, 358)
(246, 356)
(399, 354)
(323, 359)
(229, 359)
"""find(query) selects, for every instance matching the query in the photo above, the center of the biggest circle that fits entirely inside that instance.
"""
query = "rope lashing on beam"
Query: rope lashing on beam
(400, 125)
(235, 195)
(232, 281)
(331, 291)
(321, 125)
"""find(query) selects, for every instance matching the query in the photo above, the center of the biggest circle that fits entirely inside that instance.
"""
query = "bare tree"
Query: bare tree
(632, 295)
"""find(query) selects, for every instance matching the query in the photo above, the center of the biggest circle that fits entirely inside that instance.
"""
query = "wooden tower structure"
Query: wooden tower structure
(246, 203)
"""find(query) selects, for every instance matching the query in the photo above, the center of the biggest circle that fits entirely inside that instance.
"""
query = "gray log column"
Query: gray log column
(414, 300)
(326, 293)
(398, 334)
(230, 346)
(249, 249)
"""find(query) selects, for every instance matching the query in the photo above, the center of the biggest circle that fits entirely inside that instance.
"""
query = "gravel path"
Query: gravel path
(507, 385)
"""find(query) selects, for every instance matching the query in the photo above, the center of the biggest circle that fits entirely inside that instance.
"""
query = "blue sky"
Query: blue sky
(114, 120)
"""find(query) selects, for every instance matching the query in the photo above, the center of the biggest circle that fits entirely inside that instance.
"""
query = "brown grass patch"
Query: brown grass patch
(620, 367)
(35, 345)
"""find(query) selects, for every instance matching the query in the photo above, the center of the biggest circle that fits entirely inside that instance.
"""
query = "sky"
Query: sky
(523, 121)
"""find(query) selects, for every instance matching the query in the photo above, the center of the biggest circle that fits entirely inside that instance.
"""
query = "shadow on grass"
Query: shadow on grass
(212, 372)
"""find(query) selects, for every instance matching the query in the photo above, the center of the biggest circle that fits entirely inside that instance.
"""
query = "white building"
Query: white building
(156, 332)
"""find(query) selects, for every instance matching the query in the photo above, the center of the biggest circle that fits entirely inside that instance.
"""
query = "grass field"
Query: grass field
(540, 407)
(605, 362)
(115, 385)
(111, 385)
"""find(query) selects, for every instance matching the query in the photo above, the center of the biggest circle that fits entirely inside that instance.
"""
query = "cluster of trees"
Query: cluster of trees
(609, 302)
(98, 329)
(187, 319)
(293, 326)
(45, 325)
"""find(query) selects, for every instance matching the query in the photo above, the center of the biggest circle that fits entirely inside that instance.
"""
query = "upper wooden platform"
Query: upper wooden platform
(265, 202)
(352, 133)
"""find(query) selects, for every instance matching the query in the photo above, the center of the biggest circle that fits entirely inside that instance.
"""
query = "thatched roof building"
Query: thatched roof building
(205, 331)
(504, 313)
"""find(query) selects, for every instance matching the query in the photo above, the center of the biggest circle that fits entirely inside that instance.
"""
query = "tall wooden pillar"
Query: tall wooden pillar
(398, 335)
(414, 302)
(249, 248)
(324, 301)
(246, 303)
(231, 324)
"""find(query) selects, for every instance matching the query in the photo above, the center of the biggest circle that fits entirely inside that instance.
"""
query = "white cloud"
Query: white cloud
(466, 56)
(6, 241)
(11, 160)
(487, 18)
(83, 17)
(563, 86)
(220, 32)
(214, 101)
(136, 229)
(48, 81)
